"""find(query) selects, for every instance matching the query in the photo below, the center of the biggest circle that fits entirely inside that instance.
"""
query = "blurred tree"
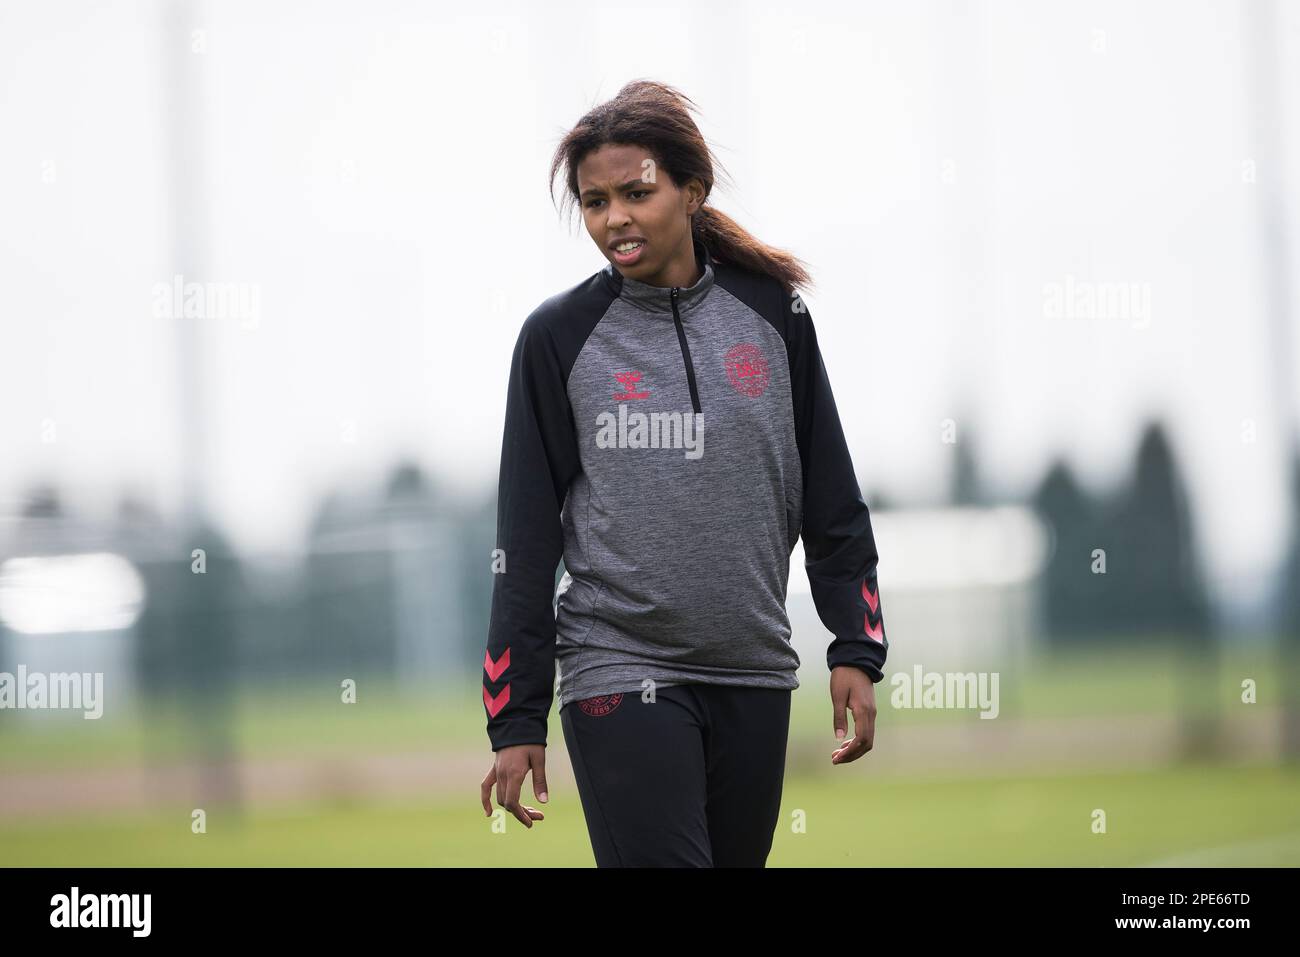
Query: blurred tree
(209, 611)
(187, 639)
(1076, 602)
(965, 485)
(1160, 592)
(1158, 583)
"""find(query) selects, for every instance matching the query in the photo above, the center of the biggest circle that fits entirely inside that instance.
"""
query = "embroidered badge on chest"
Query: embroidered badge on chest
(746, 369)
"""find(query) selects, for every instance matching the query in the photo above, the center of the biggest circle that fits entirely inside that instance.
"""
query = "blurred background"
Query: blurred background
(261, 269)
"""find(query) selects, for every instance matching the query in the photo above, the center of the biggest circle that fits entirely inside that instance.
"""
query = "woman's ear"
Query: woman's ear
(696, 194)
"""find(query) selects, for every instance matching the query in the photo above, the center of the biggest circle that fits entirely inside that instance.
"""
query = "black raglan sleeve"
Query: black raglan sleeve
(539, 458)
(839, 547)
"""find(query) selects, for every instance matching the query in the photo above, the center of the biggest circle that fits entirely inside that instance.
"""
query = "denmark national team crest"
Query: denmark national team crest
(747, 369)
(600, 705)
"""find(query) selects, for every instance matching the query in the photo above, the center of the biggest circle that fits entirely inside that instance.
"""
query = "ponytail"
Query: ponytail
(728, 242)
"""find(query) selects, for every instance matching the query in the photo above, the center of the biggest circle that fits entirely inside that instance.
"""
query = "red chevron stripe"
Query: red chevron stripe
(494, 669)
(873, 600)
(496, 704)
(875, 631)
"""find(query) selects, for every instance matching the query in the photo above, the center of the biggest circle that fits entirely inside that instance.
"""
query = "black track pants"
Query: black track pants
(692, 779)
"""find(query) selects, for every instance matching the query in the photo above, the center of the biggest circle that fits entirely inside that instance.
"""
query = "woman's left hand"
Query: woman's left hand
(852, 690)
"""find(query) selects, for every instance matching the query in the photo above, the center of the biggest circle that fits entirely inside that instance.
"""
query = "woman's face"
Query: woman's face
(624, 197)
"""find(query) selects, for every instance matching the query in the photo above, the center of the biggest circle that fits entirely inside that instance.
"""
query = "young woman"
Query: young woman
(670, 432)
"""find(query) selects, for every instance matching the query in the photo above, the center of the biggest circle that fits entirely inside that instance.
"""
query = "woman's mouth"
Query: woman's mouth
(625, 254)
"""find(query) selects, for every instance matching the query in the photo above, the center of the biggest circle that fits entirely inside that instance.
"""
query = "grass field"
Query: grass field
(306, 717)
(1154, 817)
(1196, 814)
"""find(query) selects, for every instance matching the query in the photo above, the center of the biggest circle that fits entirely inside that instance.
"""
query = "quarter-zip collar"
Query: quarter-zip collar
(659, 299)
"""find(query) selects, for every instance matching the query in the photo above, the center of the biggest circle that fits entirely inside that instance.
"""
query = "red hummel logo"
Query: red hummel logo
(873, 600)
(629, 380)
(494, 669)
(496, 704)
(875, 631)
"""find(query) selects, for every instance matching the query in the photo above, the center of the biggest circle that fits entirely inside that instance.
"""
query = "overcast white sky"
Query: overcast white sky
(378, 170)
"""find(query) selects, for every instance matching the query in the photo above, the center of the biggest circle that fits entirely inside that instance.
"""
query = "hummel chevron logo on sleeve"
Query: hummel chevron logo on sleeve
(875, 631)
(495, 669)
(496, 704)
(873, 600)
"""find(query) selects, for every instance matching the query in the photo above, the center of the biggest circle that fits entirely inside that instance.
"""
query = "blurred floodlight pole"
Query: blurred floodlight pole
(1268, 113)
(183, 62)
(184, 49)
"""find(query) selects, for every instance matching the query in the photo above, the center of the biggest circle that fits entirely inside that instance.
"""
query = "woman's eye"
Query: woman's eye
(634, 192)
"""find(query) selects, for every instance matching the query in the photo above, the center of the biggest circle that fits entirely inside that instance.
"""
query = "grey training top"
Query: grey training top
(671, 444)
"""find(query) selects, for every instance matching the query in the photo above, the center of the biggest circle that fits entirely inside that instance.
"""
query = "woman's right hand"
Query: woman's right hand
(510, 767)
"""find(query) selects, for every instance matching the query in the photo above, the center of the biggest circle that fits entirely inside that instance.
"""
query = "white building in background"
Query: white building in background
(959, 588)
(71, 614)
